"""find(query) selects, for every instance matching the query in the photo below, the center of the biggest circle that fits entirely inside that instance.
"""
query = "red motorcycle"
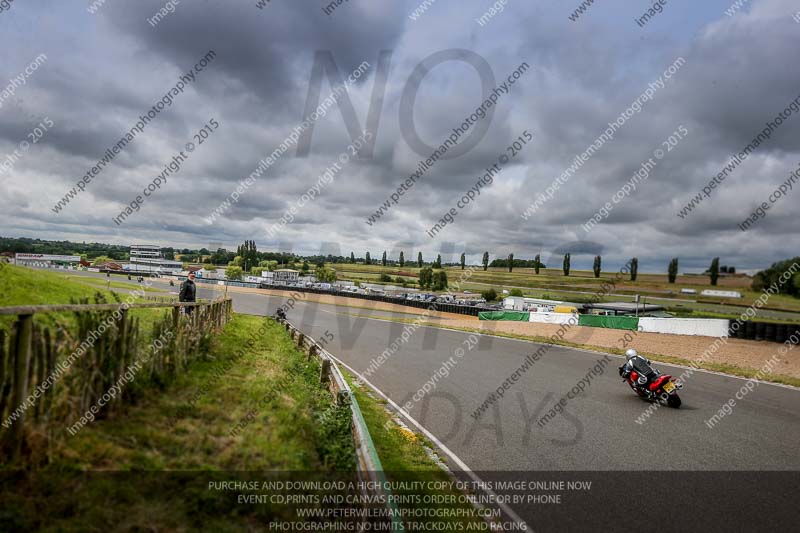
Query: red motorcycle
(649, 383)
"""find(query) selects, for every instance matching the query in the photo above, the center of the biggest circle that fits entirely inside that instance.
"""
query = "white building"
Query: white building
(285, 275)
(148, 258)
(46, 260)
(722, 294)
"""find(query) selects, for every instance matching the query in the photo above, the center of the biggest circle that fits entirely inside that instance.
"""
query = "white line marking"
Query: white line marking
(461, 464)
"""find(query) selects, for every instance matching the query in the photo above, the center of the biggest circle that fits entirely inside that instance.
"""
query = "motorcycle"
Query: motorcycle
(652, 385)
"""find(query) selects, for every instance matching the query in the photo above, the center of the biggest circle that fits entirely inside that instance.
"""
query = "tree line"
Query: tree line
(248, 258)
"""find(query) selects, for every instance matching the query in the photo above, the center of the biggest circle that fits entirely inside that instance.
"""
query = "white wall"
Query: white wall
(554, 318)
(707, 327)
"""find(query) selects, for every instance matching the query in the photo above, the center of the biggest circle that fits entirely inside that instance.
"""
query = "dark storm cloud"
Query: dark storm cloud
(104, 70)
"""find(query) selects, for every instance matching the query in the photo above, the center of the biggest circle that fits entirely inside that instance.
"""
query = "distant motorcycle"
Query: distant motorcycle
(649, 383)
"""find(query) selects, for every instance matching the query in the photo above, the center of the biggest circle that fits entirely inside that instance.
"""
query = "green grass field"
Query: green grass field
(26, 286)
(99, 282)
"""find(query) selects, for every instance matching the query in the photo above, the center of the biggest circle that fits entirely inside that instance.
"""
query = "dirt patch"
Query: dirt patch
(737, 352)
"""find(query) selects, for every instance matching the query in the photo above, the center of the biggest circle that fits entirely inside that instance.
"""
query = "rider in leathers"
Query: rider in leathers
(643, 368)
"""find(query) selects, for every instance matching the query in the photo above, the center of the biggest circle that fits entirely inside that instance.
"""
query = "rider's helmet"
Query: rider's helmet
(630, 354)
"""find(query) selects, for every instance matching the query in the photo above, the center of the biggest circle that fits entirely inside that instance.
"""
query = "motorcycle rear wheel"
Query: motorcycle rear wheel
(673, 400)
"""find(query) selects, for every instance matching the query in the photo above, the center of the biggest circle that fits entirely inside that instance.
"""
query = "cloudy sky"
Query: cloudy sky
(105, 69)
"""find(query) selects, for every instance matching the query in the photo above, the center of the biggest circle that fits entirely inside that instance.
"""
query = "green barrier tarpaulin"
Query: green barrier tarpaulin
(519, 316)
(612, 322)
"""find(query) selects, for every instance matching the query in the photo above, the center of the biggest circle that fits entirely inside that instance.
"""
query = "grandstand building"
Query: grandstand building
(147, 258)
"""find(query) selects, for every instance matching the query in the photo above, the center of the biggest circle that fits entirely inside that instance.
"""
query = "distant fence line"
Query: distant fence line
(35, 398)
(399, 300)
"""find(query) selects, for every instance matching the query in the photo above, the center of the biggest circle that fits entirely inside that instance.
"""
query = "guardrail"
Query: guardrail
(369, 464)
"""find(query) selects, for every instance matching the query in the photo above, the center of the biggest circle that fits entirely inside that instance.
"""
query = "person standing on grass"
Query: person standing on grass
(188, 292)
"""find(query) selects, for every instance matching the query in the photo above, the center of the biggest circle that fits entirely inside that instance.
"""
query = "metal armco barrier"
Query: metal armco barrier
(370, 468)
(443, 307)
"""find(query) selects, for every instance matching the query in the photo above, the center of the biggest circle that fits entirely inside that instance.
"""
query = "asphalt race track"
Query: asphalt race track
(598, 430)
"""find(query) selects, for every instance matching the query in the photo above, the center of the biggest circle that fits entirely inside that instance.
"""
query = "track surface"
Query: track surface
(598, 430)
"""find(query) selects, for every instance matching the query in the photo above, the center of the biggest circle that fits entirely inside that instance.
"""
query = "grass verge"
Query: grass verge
(255, 407)
(405, 459)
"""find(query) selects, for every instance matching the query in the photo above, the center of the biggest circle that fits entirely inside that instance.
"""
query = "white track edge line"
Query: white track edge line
(461, 464)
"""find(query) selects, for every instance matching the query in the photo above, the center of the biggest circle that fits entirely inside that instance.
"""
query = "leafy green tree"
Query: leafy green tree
(566, 265)
(485, 261)
(257, 271)
(402, 259)
(597, 266)
(238, 261)
(234, 273)
(101, 260)
(439, 280)
(489, 295)
(419, 260)
(510, 262)
(634, 268)
(778, 275)
(463, 260)
(249, 253)
(269, 265)
(713, 270)
(305, 267)
(368, 261)
(537, 263)
(515, 292)
(385, 277)
(438, 262)
(325, 275)
(352, 258)
(672, 270)
(425, 277)
(383, 259)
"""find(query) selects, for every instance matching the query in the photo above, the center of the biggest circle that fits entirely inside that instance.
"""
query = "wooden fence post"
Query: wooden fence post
(3, 391)
(22, 357)
(325, 370)
(122, 350)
